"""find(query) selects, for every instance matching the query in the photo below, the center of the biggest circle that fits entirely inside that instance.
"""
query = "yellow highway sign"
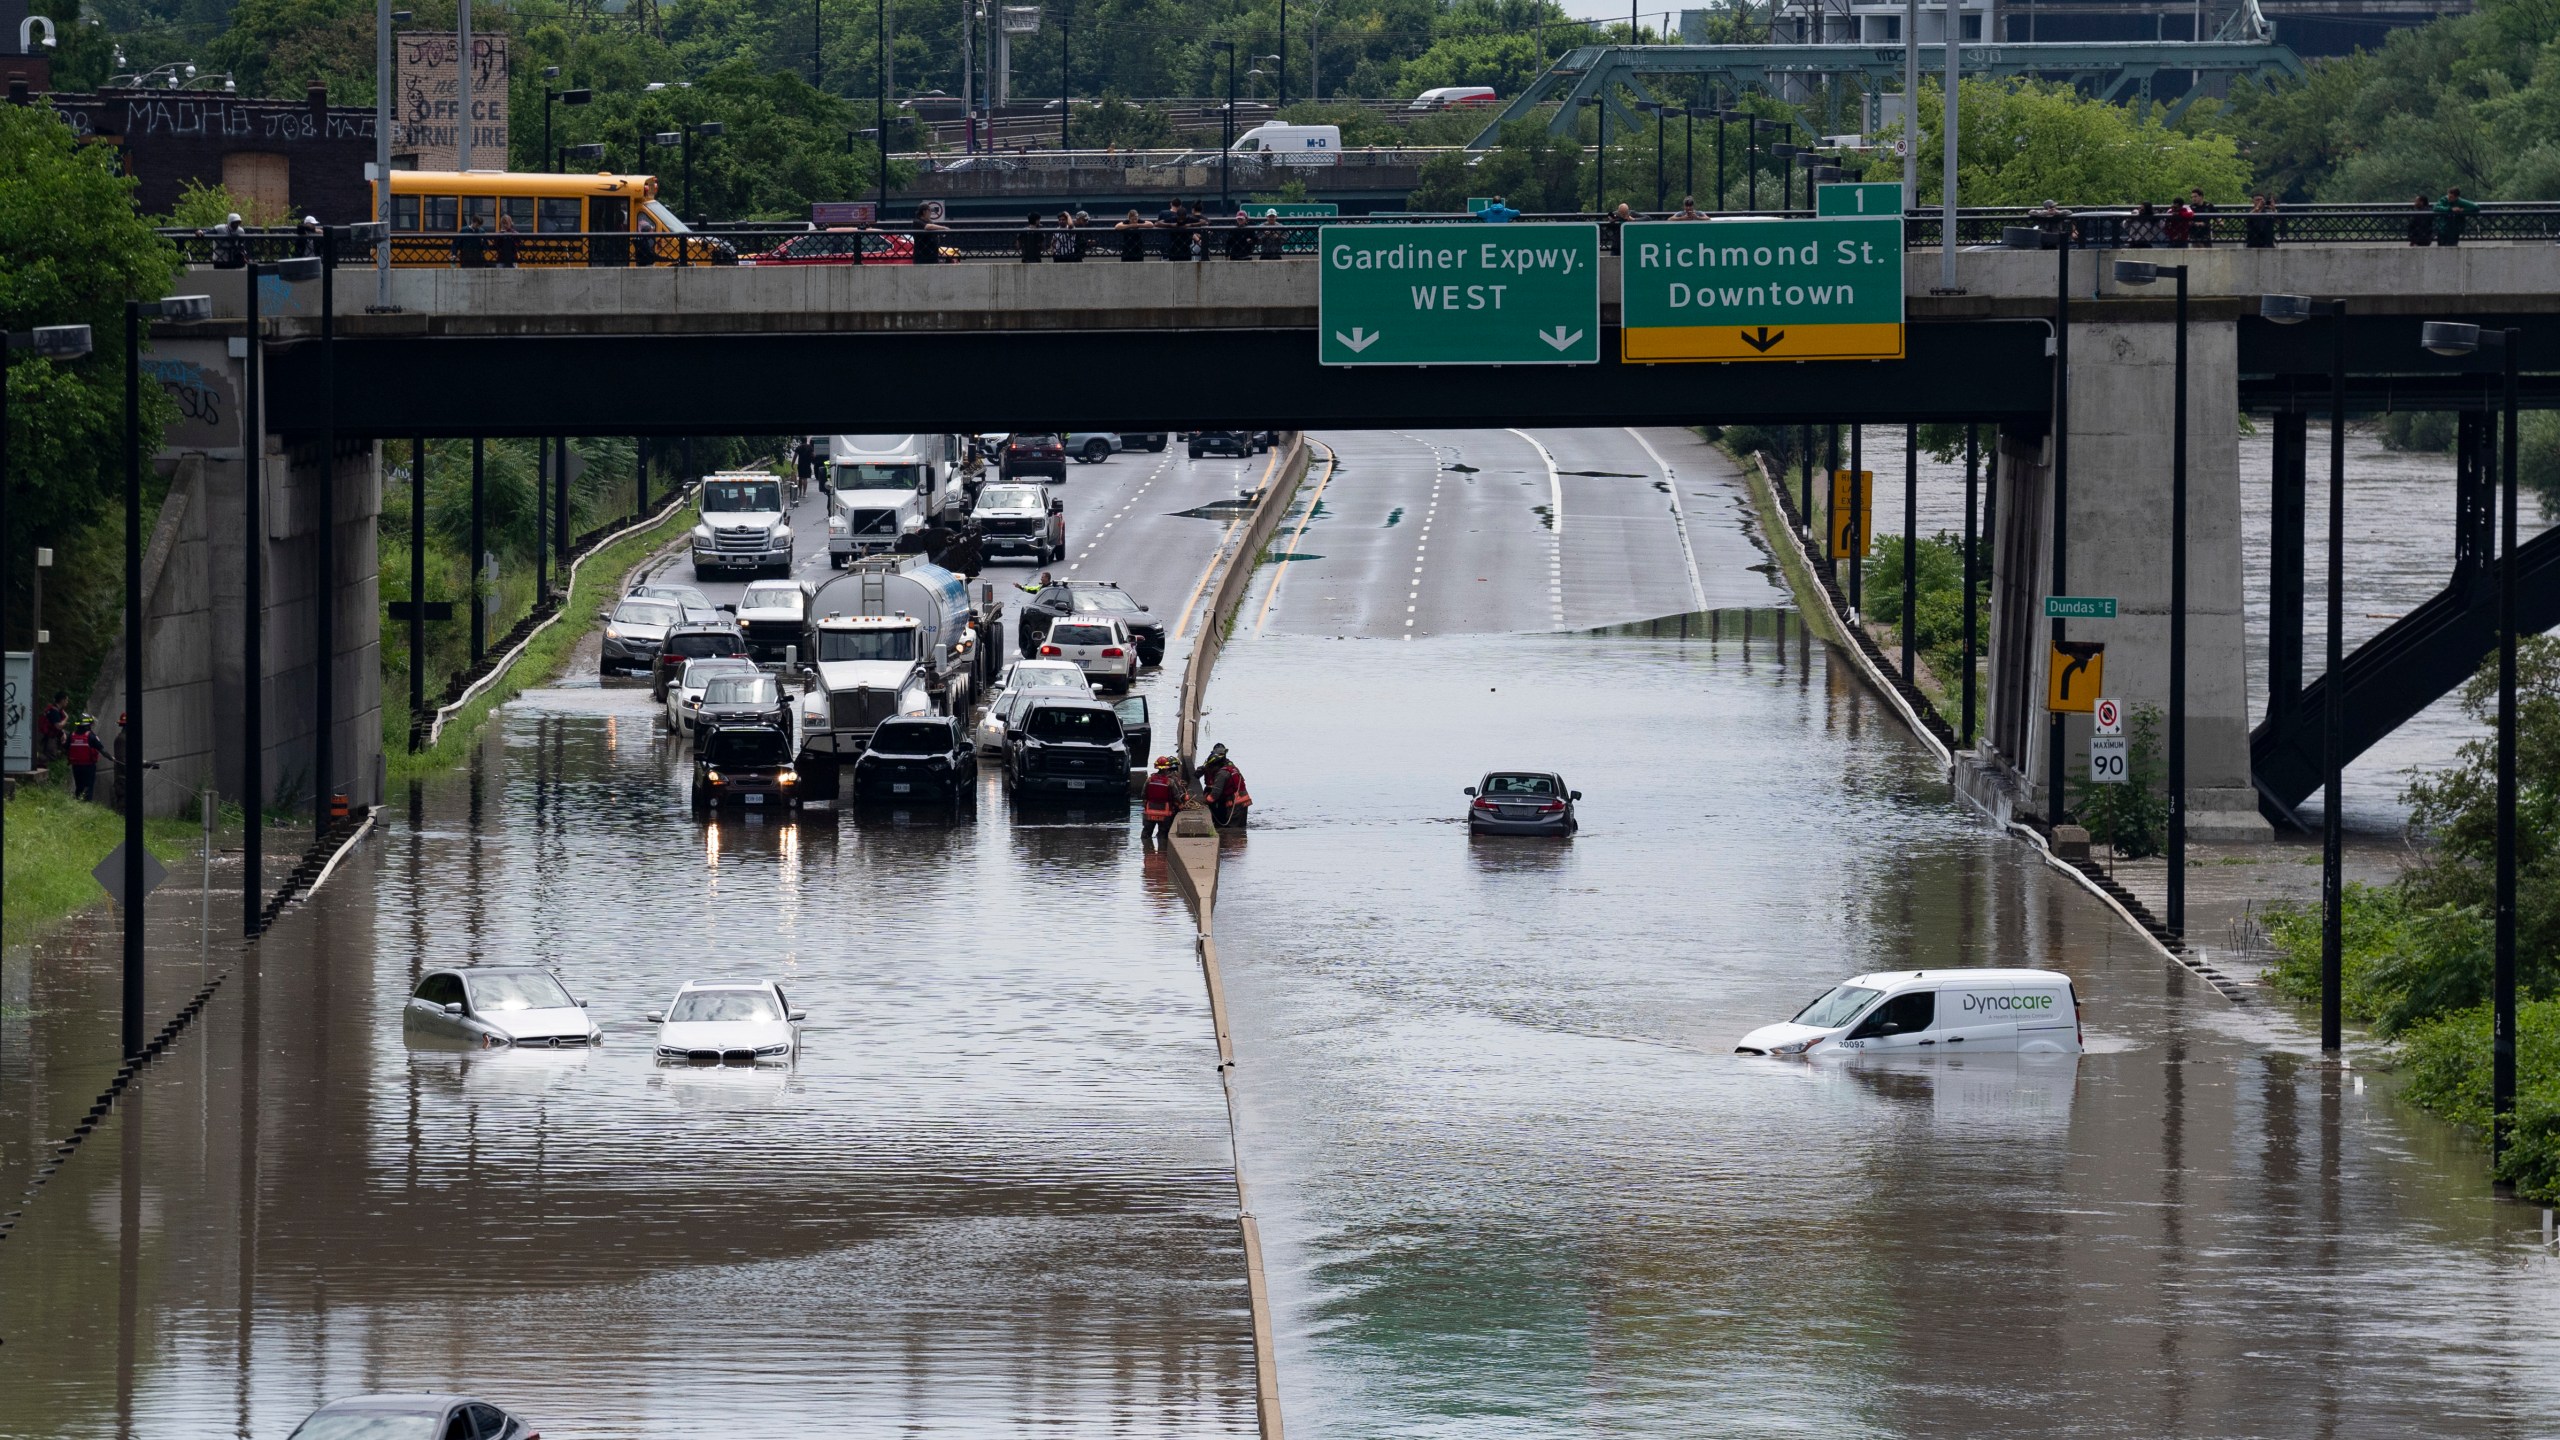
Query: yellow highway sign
(2074, 674)
(1852, 494)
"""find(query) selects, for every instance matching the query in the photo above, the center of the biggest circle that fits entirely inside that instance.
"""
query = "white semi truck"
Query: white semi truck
(893, 635)
(885, 486)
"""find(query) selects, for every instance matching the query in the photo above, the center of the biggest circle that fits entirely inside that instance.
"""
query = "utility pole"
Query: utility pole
(1911, 100)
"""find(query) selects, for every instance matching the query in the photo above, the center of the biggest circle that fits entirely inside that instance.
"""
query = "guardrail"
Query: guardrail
(1105, 240)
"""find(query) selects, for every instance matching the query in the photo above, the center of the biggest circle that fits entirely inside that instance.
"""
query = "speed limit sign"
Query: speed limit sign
(2107, 760)
(2109, 715)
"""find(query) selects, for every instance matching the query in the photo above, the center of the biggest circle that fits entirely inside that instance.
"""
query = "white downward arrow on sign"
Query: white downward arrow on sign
(1559, 339)
(1358, 339)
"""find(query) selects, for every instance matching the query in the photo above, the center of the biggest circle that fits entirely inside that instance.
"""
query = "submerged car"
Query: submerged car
(1063, 745)
(411, 1417)
(697, 607)
(1932, 1012)
(487, 1007)
(917, 757)
(1055, 676)
(633, 632)
(744, 764)
(728, 1022)
(744, 698)
(681, 709)
(774, 616)
(691, 642)
(1522, 802)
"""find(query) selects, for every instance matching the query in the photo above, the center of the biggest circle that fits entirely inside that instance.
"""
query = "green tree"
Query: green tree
(2022, 142)
(72, 251)
(1537, 172)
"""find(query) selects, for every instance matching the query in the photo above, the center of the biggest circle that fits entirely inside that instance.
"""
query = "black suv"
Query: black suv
(743, 699)
(924, 756)
(691, 642)
(1239, 443)
(1027, 454)
(1062, 598)
(744, 764)
(1067, 746)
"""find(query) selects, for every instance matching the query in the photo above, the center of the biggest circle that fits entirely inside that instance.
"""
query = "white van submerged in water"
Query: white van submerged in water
(1932, 1012)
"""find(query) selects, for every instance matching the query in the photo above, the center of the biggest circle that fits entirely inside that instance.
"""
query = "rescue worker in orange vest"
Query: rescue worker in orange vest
(82, 750)
(1162, 797)
(1222, 785)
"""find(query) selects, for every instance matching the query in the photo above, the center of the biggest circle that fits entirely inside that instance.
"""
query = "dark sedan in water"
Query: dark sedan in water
(1522, 802)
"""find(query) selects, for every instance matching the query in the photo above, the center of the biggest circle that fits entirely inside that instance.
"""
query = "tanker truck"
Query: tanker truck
(892, 635)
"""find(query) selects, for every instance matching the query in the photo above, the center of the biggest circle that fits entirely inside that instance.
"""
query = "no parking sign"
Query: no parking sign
(2109, 715)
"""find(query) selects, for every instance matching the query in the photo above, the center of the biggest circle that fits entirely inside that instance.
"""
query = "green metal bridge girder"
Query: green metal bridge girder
(2110, 70)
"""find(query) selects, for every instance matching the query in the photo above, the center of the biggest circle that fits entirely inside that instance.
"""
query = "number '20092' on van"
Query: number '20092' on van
(1932, 1012)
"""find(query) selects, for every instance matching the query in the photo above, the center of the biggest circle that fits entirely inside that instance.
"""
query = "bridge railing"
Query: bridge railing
(1104, 239)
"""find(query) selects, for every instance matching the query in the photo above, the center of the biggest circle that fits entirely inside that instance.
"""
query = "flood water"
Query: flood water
(994, 1195)
(1512, 1181)
(1510, 1178)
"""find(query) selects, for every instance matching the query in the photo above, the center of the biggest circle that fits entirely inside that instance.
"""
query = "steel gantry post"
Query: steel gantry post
(1910, 549)
(479, 547)
(1858, 502)
(417, 592)
(2053, 751)
(1972, 477)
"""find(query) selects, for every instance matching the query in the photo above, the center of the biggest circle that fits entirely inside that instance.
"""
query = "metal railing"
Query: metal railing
(1353, 158)
(1102, 241)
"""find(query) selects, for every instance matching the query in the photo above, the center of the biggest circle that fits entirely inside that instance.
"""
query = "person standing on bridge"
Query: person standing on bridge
(1498, 213)
(1689, 203)
(2199, 216)
(2453, 216)
(1162, 800)
(2259, 230)
(1033, 240)
(1239, 235)
(1066, 245)
(1133, 237)
(2422, 220)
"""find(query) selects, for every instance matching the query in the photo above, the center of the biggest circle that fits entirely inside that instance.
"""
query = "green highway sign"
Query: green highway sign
(1459, 295)
(2079, 607)
(1291, 209)
(1761, 289)
(1858, 199)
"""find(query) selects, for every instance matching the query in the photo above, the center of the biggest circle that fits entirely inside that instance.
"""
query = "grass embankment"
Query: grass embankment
(2398, 961)
(599, 581)
(55, 841)
(1764, 505)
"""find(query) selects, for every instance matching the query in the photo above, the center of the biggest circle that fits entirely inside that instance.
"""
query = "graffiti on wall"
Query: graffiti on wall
(428, 100)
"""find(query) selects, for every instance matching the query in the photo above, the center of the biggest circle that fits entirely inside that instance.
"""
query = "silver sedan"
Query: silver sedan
(495, 1007)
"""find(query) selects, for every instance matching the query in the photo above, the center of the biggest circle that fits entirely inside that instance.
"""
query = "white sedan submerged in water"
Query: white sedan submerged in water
(728, 1022)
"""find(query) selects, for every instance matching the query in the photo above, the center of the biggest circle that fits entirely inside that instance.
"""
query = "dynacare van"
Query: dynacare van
(1292, 144)
(1931, 1012)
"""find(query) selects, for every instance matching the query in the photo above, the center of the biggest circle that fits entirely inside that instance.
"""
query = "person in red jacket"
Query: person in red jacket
(1222, 785)
(82, 750)
(1162, 797)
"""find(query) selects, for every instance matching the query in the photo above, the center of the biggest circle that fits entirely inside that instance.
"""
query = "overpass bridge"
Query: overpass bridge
(658, 351)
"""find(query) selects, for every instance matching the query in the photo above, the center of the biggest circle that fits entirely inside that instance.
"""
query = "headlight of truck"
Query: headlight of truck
(701, 534)
(779, 535)
(835, 524)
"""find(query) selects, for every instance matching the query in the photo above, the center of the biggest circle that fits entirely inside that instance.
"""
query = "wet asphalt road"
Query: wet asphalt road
(1511, 1180)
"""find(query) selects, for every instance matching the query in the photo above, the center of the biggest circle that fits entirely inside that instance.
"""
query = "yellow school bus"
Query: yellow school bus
(443, 218)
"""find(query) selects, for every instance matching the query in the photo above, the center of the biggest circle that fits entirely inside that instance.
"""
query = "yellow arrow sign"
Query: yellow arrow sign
(1853, 504)
(2074, 674)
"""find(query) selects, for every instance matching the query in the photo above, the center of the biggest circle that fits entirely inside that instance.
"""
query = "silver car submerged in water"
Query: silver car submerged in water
(492, 1007)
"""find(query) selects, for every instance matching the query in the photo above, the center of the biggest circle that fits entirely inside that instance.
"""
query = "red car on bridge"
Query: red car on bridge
(839, 247)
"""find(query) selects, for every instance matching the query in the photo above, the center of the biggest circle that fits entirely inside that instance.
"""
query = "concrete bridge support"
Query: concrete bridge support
(2117, 496)
(194, 584)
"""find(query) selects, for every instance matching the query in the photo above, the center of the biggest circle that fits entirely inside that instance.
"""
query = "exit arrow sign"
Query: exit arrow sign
(1464, 293)
(1761, 289)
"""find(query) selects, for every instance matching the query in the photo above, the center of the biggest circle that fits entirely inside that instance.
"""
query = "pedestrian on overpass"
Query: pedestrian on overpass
(1162, 799)
(927, 245)
(1689, 204)
(1239, 235)
(2453, 216)
(1270, 235)
(1133, 237)
(1033, 239)
(2422, 219)
(1498, 213)
(1066, 245)
(1610, 227)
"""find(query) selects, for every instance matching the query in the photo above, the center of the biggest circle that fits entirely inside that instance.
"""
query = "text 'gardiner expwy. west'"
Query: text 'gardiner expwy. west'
(1491, 257)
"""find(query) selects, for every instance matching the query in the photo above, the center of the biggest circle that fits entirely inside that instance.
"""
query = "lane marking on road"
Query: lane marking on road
(1295, 536)
(1555, 519)
(1679, 521)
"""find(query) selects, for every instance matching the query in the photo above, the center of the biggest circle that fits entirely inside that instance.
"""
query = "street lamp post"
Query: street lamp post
(880, 100)
(2454, 338)
(708, 130)
(129, 772)
(50, 342)
(1689, 151)
(2293, 310)
(1227, 122)
(551, 97)
(2137, 272)
(1721, 117)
